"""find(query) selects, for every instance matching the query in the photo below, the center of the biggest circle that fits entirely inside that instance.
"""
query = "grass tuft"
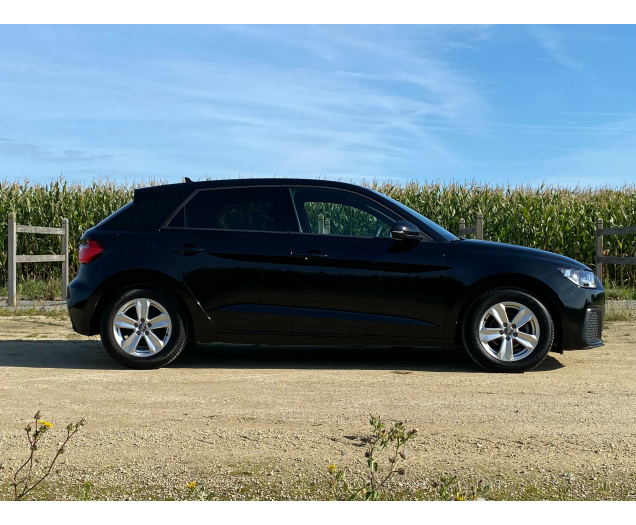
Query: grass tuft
(37, 289)
(55, 313)
(619, 314)
(620, 293)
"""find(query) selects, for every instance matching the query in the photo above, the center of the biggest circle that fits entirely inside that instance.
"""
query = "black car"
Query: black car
(301, 262)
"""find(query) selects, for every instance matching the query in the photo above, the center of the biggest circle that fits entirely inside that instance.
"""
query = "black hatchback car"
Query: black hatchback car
(301, 262)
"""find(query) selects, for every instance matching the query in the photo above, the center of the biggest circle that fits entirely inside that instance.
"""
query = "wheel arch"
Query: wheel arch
(528, 284)
(135, 279)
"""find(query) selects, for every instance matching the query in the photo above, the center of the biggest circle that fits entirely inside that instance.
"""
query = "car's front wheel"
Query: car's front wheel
(143, 328)
(508, 330)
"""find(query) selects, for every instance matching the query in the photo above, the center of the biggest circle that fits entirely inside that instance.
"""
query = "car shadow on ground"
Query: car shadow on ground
(90, 355)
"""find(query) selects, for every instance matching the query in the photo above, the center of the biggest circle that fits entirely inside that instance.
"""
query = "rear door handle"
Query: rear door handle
(188, 249)
(312, 255)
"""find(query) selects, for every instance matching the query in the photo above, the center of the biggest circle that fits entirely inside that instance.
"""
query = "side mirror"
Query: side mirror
(405, 230)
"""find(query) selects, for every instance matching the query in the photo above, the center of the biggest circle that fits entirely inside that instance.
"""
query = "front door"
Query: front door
(352, 278)
(231, 248)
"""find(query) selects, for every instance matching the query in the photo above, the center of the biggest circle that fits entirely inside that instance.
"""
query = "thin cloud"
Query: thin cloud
(550, 39)
(13, 149)
(459, 45)
(333, 101)
(10, 148)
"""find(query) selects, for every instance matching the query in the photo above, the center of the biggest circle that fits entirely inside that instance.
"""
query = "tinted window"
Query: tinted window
(233, 209)
(334, 212)
(432, 225)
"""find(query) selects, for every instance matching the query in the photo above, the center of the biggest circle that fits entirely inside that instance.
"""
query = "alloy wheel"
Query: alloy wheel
(509, 331)
(142, 327)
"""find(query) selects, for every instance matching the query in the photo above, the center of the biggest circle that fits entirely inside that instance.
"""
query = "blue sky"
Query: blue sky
(497, 104)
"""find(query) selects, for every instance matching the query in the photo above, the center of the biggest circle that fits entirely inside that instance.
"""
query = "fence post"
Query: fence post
(479, 226)
(321, 223)
(599, 249)
(462, 227)
(65, 262)
(11, 284)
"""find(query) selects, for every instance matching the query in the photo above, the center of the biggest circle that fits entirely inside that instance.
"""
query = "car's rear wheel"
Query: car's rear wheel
(508, 330)
(143, 328)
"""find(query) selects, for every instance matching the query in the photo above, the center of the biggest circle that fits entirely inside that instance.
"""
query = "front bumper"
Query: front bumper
(583, 316)
(593, 327)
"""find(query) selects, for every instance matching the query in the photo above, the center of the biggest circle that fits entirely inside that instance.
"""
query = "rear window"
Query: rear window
(115, 213)
(256, 209)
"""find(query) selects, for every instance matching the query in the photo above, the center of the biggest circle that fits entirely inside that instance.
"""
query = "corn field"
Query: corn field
(46, 205)
(552, 218)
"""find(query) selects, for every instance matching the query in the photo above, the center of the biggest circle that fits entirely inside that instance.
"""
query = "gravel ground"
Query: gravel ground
(264, 422)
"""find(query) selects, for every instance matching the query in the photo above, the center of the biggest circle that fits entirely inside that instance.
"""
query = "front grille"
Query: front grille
(592, 328)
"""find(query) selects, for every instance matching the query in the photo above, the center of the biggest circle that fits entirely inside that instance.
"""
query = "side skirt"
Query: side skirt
(314, 340)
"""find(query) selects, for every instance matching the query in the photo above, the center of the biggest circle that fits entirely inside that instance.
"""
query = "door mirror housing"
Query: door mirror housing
(406, 231)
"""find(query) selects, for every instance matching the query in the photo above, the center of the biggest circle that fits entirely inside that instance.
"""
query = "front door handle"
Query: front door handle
(187, 249)
(312, 255)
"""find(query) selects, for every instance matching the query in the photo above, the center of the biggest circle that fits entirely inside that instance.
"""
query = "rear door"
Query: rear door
(352, 278)
(231, 247)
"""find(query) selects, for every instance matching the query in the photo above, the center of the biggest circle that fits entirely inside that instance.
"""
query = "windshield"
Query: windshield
(435, 227)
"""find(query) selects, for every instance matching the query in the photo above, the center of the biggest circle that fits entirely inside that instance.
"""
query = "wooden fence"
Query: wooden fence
(600, 258)
(477, 229)
(14, 259)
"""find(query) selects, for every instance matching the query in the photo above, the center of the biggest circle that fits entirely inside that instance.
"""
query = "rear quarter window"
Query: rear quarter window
(252, 209)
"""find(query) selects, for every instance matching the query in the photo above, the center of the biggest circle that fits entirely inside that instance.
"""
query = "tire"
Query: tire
(496, 343)
(154, 347)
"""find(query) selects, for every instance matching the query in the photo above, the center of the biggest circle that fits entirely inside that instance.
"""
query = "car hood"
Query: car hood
(512, 250)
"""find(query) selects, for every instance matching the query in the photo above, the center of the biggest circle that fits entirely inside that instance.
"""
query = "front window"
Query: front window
(428, 222)
(334, 212)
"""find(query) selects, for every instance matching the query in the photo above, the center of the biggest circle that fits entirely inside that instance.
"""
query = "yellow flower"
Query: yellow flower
(332, 468)
(45, 423)
(191, 485)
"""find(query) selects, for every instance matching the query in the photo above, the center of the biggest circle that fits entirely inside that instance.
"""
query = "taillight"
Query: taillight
(89, 249)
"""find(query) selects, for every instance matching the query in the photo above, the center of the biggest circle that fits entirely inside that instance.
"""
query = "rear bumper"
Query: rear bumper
(81, 303)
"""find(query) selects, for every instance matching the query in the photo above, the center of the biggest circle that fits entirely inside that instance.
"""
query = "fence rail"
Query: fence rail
(604, 259)
(14, 259)
(21, 228)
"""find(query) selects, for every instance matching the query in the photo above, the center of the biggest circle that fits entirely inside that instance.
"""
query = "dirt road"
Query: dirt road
(258, 421)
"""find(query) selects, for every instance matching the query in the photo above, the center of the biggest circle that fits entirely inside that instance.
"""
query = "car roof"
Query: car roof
(171, 195)
(232, 183)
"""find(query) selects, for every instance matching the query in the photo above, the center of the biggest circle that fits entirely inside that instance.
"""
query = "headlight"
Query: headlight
(582, 278)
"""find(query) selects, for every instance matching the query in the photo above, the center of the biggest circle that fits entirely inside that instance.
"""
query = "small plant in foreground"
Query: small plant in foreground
(449, 489)
(85, 494)
(29, 475)
(382, 443)
(199, 492)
